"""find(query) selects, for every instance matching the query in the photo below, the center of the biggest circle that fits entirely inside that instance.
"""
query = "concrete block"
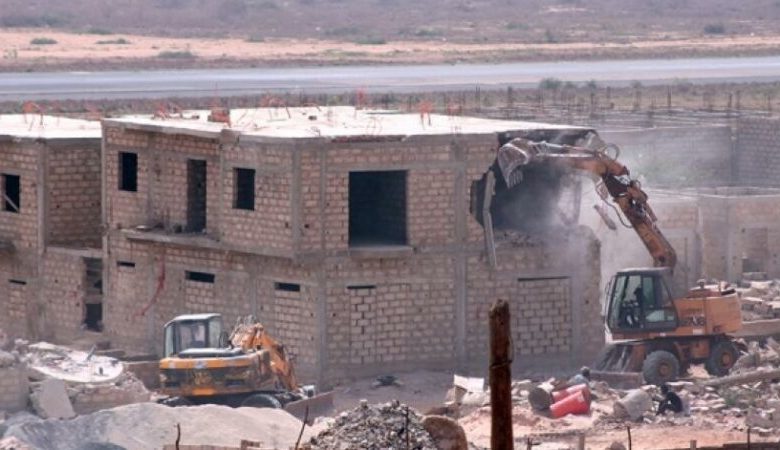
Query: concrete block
(50, 400)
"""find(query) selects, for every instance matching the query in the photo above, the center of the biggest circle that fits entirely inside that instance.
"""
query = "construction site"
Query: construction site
(361, 254)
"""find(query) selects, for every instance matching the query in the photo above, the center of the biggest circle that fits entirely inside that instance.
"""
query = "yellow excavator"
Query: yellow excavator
(202, 363)
(656, 334)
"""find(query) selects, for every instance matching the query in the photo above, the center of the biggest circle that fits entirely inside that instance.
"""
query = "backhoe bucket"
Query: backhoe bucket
(318, 405)
(620, 365)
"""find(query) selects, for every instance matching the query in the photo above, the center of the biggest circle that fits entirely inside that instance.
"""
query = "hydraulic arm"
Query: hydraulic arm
(614, 177)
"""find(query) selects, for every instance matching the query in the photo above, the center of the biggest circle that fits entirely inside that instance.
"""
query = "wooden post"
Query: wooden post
(581, 442)
(500, 378)
(693, 445)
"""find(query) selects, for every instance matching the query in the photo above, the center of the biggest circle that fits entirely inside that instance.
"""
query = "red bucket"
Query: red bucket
(576, 403)
(563, 393)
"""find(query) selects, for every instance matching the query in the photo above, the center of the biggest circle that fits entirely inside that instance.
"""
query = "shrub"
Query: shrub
(100, 31)
(550, 83)
(255, 39)
(43, 41)
(120, 41)
(371, 41)
(427, 32)
(714, 28)
(176, 54)
(343, 31)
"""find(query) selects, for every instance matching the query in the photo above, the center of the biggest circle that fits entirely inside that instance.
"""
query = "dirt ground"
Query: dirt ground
(97, 52)
(423, 390)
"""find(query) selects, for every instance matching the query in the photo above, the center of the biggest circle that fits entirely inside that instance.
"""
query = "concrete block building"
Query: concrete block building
(350, 234)
(50, 235)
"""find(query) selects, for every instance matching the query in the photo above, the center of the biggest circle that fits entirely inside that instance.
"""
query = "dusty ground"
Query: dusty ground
(425, 389)
(99, 52)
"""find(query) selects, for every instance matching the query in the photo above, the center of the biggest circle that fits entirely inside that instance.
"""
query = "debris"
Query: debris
(50, 400)
(743, 378)
(151, 426)
(12, 443)
(445, 432)
(469, 384)
(47, 360)
(540, 396)
(633, 406)
(386, 380)
(374, 427)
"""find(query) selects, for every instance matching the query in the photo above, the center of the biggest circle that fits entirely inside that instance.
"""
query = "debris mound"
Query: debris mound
(151, 426)
(374, 427)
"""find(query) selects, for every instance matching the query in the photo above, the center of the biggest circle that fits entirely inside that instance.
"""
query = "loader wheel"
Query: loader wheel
(262, 401)
(660, 367)
(722, 358)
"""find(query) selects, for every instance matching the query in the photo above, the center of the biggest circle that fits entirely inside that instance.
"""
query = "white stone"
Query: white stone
(50, 400)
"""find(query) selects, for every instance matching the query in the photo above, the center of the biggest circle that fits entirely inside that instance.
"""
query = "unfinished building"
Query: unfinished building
(348, 233)
(50, 236)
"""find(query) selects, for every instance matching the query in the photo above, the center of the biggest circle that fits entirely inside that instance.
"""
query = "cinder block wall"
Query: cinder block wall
(73, 189)
(14, 388)
(758, 156)
(41, 288)
(348, 315)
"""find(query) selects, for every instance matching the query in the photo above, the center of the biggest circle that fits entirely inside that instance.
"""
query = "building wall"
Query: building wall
(73, 194)
(63, 293)
(677, 157)
(41, 287)
(22, 159)
(343, 313)
(161, 197)
(758, 158)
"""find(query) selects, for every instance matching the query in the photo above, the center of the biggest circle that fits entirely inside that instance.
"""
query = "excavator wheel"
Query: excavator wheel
(660, 367)
(722, 358)
(262, 401)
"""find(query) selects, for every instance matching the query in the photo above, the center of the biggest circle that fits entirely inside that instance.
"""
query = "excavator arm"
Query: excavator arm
(615, 177)
(252, 336)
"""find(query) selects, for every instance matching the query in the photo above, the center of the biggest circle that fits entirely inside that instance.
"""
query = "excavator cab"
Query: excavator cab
(640, 301)
(193, 331)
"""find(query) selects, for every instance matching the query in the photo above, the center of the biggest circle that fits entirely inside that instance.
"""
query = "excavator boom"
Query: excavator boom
(613, 176)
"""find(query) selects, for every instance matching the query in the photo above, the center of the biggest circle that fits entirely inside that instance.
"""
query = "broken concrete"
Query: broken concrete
(375, 427)
(149, 426)
(50, 400)
(445, 432)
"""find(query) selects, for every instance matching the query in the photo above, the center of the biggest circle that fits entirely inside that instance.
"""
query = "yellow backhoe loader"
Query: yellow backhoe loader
(657, 334)
(202, 363)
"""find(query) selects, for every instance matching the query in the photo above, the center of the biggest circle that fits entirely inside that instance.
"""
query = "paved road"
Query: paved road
(190, 83)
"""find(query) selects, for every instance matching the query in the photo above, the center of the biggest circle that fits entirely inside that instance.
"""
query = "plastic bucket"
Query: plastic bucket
(560, 395)
(577, 403)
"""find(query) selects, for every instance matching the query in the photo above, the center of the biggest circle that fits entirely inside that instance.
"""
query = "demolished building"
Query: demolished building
(346, 232)
(50, 236)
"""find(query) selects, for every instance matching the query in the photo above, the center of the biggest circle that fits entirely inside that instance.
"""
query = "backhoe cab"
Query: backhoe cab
(193, 335)
(640, 301)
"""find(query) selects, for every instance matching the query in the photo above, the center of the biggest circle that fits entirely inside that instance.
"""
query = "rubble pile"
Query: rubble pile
(67, 382)
(760, 300)
(374, 427)
(153, 426)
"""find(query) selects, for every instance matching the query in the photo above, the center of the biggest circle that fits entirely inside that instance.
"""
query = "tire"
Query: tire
(262, 401)
(660, 367)
(722, 357)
